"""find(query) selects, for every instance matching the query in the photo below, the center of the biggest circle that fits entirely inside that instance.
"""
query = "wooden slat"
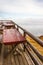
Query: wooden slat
(16, 60)
(30, 59)
(20, 60)
(13, 60)
(36, 51)
(23, 58)
(0, 60)
(27, 56)
(7, 61)
(34, 56)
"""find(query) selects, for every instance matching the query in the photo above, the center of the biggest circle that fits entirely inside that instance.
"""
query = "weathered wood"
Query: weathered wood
(7, 61)
(16, 60)
(12, 36)
(38, 54)
(20, 60)
(31, 35)
(13, 60)
(30, 59)
(27, 57)
(34, 56)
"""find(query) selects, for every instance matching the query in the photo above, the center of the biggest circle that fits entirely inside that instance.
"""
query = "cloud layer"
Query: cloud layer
(21, 8)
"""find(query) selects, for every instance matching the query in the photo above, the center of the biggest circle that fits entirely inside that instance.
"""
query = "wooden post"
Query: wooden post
(24, 34)
(17, 28)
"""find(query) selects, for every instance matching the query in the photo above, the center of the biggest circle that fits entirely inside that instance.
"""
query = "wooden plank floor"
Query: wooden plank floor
(23, 58)
(17, 60)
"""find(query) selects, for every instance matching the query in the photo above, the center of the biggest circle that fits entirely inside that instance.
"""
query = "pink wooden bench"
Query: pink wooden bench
(12, 37)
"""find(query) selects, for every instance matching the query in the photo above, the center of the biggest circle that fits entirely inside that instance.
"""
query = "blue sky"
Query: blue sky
(21, 9)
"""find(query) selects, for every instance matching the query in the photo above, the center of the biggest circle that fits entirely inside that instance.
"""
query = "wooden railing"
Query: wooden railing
(40, 42)
(31, 35)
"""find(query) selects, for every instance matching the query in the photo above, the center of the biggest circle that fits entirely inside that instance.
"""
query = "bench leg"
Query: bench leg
(11, 51)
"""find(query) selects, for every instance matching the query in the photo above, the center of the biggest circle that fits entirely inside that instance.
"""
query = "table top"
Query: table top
(12, 36)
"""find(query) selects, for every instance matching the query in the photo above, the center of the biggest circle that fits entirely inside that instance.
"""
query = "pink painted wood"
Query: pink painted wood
(12, 36)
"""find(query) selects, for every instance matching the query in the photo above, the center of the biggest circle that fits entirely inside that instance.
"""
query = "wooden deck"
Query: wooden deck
(23, 58)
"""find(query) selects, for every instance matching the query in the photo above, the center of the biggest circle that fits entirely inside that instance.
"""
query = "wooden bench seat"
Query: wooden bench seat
(12, 36)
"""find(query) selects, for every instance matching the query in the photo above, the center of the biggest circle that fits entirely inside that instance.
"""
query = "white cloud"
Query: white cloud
(27, 7)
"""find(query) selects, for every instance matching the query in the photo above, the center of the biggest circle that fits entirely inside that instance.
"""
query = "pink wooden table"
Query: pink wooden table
(12, 36)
